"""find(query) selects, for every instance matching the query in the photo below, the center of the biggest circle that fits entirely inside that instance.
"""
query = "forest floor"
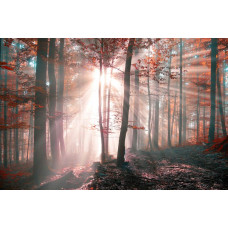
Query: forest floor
(187, 167)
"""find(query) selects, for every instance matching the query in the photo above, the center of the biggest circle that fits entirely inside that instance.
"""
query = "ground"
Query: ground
(187, 167)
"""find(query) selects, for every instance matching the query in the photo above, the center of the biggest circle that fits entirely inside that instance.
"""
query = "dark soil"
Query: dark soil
(177, 168)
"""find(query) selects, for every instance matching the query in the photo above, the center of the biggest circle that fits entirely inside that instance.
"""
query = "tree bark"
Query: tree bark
(136, 109)
(99, 105)
(204, 121)
(16, 109)
(149, 104)
(169, 138)
(197, 111)
(5, 160)
(108, 113)
(214, 52)
(180, 111)
(156, 120)
(222, 117)
(52, 103)
(60, 97)
(30, 129)
(124, 124)
(1, 148)
(40, 165)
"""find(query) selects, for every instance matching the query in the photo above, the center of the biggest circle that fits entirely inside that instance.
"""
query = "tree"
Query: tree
(169, 136)
(136, 104)
(214, 52)
(52, 102)
(16, 109)
(198, 110)
(5, 112)
(60, 97)
(220, 105)
(0, 101)
(180, 112)
(40, 165)
(99, 105)
(124, 123)
(136, 111)
(149, 104)
(157, 106)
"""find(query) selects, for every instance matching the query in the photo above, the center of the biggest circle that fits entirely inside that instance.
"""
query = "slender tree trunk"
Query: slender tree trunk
(204, 122)
(198, 111)
(60, 97)
(136, 109)
(108, 113)
(156, 119)
(40, 165)
(156, 123)
(22, 135)
(174, 111)
(213, 88)
(149, 118)
(1, 56)
(16, 110)
(10, 145)
(184, 112)
(162, 135)
(224, 87)
(5, 113)
(124, 124)
(152, 124)
(220, 106)
(169, 138)
(149, 104)
(30, 129)
(52, 103)
(99, 106)
(180, 111)
(105, 109)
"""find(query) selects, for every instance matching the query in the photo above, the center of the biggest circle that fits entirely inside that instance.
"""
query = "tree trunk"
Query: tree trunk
(169, 138)
(22, 134)
(156, 117)
(174, 111)
(124, 124)
(108, 113)
(184, 111)
(198, 111)
(180, 111)
(1, 148)
(136, 109)
(220, 106)
(224, 86)
(105, 109)
(204, 115)
(5, 113)
(99, 106)
(60, 97)
(10, 145)
(40, 165)
(30, 129)
(213, 88)
(16, 109)
(149, 104)
(52, 103)
(156, 121)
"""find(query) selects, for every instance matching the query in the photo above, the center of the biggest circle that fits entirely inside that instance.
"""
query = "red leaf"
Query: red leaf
(7, 68)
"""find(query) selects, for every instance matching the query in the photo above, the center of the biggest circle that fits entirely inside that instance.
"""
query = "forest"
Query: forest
(113, 113)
